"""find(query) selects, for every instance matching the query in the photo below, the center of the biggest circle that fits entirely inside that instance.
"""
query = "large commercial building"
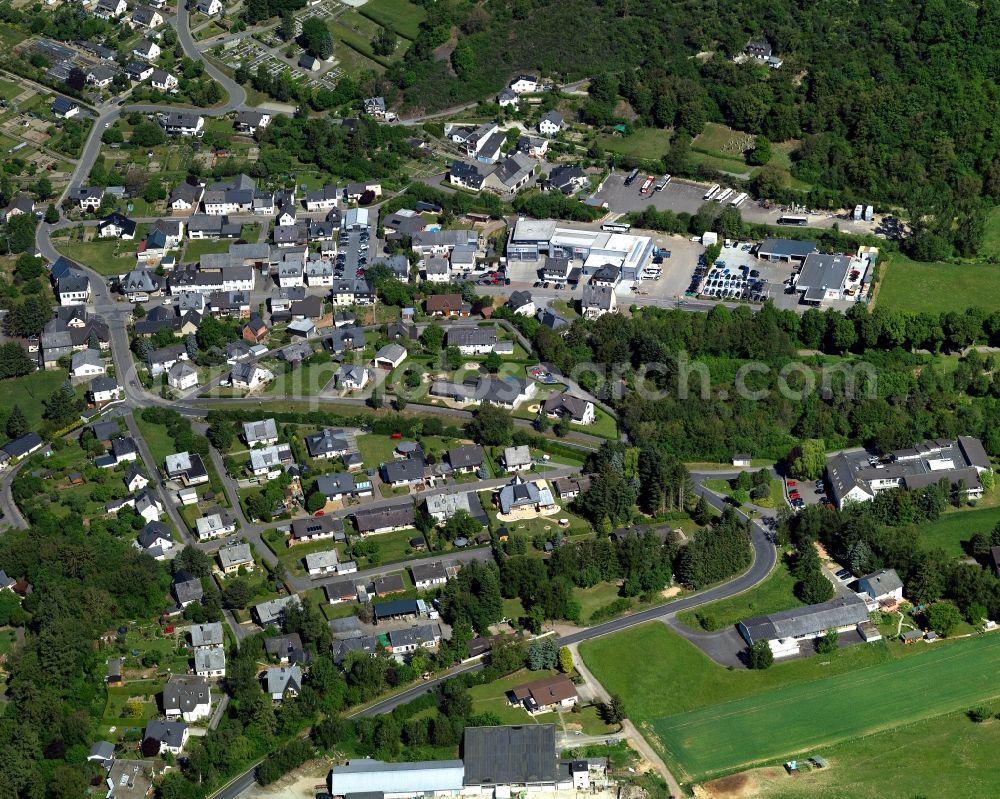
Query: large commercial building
(858, 476)
(496, 761)
(533, 238)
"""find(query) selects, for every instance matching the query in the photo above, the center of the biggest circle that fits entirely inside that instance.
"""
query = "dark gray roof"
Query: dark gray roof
(465, 457)
(400, 515)
(409, 470)
(510, 755)
(327, 441)
(185, 693)
(838, 612)
(304, 528)
(786, 248)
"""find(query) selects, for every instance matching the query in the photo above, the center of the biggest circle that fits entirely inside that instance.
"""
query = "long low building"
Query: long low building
(398, 780)
(533, 238)
(785, 630)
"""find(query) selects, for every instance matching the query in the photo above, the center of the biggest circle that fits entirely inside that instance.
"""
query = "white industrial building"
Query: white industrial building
(534, 238)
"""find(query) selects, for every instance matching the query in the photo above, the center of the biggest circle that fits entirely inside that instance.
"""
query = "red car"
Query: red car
(791, 483)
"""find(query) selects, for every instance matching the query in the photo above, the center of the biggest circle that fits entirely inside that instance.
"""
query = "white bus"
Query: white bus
(616, 227)
(721, 197)
(711, 191)
(800, 221)
(739, 199)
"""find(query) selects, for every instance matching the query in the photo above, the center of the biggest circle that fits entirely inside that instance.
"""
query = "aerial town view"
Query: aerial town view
(404, 399)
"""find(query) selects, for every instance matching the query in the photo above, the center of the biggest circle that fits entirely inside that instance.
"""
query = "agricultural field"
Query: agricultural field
(944, 756)
(938, 287)
(773, 594)
(711, 721)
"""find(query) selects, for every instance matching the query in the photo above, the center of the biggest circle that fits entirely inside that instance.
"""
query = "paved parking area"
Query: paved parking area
(676, 196)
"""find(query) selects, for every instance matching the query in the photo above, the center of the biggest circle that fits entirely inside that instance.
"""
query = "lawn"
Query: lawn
(492, 697)
(111, 257)
(774, 500)
(605, 425)
(402, 16)
(950, 529)
(709, 720)
(773, 594)
(195, 248)
(355, 32)
(595, 597)
(938, 287)
(944, 756)
(991, 234)
(159, 441)
(29, 391)
(306, 381)
(7, 639)
(648, 143)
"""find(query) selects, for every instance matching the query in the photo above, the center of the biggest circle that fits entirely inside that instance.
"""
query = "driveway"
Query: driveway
(725, 647)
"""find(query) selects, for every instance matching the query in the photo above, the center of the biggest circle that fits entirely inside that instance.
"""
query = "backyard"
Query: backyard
(29, 391)
(709, 720)
(954, 527)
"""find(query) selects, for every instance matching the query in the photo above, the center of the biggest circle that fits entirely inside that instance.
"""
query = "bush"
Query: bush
(979, 714)
(761, 656)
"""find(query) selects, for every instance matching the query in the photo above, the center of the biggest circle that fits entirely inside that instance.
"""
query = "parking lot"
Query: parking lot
(676, 196)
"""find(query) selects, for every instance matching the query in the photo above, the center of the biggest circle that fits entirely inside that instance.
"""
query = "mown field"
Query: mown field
(401, 16)
(709, 721)
(938, 287)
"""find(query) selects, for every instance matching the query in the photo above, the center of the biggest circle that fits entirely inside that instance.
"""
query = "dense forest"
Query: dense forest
(903, 389)
(893, 102)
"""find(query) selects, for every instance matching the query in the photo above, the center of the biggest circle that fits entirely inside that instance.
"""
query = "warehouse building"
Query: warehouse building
(784, 631)
(787, 250)
(534, 238)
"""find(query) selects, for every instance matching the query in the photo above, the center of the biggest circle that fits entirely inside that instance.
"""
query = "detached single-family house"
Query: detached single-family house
(597, 301)
(64, 108)
(428, 575)
(163, 81)
(327, 444)
(881, 586)
(147, 50)
(322, 563)
(352, 378)
(104, 389)
(216, 522)
(248, 376)
(465, 460)
(570, 407)
(188, 698)
(283, 682)
(250, 121)
(262, 432)
(547, 694)
(521, 303)
(116, 226)
(517, 459)
(209, 7)
(187, 468)
(235, 557)
(171, 735)
(551, 123)
(87, 364)
(182, 376)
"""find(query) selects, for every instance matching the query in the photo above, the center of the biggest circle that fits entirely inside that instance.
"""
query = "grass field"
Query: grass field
(772, 595)
(991, 235)
(402, 16)
(7, 639)
(938, 287)
(8, 89)
(775, 499)
(111, 257)
(195, 248)
(944, 756)
(595, 597)
(29, 391)
(159, 441)
(709, 720)
(651, 143)
(950, 529)
(306, 381)
(9, 36)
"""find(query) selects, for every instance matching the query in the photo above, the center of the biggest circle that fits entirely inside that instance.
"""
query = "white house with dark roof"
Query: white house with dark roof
(262, 432)
(551, 123)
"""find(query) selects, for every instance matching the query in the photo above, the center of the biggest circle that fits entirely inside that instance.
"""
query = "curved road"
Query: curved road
(135, 396)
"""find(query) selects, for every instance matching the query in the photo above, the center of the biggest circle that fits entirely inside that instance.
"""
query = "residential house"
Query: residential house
(250, 121)
(182, 123)
(210, 661)
(336, 487)
(20, 204)
(403, 473)
(101, 76)
(570, 487)
(73, 288)
(566, 179)
(209, 7)
(317, 528)
(570, 407)
(327, 444)
(104, 389)
(324, 199)
(466, 175)
(235, 557)
(465, 460)
(517, 459)
(319, 564)
(248, 376)
(163, 81)
(551, 123)
(881, 586)
(22, 446)
(186, 468)
(352, 378)
(597, 301)
(216, 522)
(255, 330)
(375, 107)
(286, 648)
(187, 588)
(520, 494)
(87, 197)
(524, 84)
(137, 71)
(262, 432)
(510, 175)
(428, 575)
(269, 460)
(283, 682)
(437, 270)
(521, 303)
(443, 507)
(146, 50)
(155, 535)
(373, 521)
(447, 305)
(171, 735)
(64, 108)
(146, 17)
(352, 291)
(318, 272)
(182, 376)
(140, 285)
(188, 698)
(116, 226)
(472, 340)
(185, 197)
(546, 695)
(160, 361)
(507, 392)
(110, 9)
(408, 641)
(507, 99)
(87, 364)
